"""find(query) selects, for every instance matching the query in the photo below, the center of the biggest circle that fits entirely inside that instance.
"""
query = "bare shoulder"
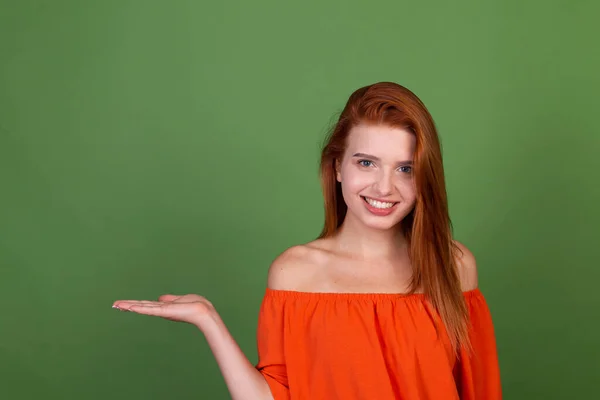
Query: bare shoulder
(294, 267)
(467, 267)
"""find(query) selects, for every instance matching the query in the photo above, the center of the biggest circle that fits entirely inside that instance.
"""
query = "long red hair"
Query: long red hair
(427, 228)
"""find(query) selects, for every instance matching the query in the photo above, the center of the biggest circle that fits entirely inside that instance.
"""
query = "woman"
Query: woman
(384, 304)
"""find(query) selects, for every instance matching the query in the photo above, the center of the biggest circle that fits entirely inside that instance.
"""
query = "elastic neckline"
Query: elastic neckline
(354, 295)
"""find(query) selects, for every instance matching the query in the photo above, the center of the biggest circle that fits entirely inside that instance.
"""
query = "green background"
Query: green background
(151, 147)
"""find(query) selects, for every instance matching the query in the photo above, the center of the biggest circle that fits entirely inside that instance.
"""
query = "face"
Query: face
(376, 175)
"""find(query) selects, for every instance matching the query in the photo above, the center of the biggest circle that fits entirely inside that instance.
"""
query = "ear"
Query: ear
(338, 168)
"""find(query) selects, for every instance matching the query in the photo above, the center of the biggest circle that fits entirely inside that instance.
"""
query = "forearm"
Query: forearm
(243, 380)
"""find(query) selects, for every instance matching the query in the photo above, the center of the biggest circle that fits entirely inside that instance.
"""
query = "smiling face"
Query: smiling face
(376, 175)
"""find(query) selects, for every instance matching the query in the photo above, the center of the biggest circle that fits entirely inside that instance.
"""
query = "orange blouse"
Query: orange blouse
(378, 346)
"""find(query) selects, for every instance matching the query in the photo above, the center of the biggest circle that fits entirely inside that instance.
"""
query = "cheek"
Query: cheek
(354, 182)
(407, 187)
(409, 193)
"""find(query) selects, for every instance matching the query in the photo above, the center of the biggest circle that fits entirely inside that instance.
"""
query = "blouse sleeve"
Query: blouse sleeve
(478, 372)
(271, 358)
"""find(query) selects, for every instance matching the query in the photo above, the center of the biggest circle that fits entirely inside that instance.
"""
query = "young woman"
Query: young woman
(384, 304)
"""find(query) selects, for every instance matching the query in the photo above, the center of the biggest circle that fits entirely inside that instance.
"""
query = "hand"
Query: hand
(190, 308)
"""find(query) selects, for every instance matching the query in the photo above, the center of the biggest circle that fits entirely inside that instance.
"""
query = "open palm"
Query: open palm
(190, 308)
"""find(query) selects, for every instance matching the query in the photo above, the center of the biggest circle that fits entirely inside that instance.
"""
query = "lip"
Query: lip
(381, 212)
(381, 200)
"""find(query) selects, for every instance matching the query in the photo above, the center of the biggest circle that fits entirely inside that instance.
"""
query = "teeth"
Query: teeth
(378, 204)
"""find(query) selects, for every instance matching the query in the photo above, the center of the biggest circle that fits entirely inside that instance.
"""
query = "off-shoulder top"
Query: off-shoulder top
(378, 346)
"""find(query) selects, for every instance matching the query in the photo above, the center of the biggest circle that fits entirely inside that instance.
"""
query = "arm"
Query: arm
(477, 371)
(243, 380)
(284, 274)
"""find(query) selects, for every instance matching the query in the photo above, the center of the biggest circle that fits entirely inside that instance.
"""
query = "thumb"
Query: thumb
(168, 297)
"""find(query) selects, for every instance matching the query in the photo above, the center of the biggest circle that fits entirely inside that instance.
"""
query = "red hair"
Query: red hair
(427, 228)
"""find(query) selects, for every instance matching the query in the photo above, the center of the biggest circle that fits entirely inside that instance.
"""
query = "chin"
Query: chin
(382, 225)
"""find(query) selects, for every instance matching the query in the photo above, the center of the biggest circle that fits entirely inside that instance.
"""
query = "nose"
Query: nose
(384, 184)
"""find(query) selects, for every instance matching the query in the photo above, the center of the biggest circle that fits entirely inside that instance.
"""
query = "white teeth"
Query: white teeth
(379, 204)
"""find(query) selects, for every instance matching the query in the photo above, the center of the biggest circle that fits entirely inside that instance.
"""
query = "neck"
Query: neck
(368, 243)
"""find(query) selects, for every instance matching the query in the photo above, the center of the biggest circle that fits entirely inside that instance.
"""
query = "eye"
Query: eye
(365, 163)
(406, 169)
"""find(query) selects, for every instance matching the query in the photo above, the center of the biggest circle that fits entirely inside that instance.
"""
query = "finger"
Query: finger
(126, 304)
(136, 301)
(169, 297)
(146, 309)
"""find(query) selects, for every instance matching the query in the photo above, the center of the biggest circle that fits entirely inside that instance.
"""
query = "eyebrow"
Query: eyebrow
(369, 156)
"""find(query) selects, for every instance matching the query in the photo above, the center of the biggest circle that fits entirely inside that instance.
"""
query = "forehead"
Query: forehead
(382, 141)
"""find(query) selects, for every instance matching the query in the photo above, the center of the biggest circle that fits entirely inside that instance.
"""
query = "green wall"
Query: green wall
(149, 147)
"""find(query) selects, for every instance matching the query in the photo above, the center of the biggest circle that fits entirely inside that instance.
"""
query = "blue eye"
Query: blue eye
(365, 163)
(406, 169)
